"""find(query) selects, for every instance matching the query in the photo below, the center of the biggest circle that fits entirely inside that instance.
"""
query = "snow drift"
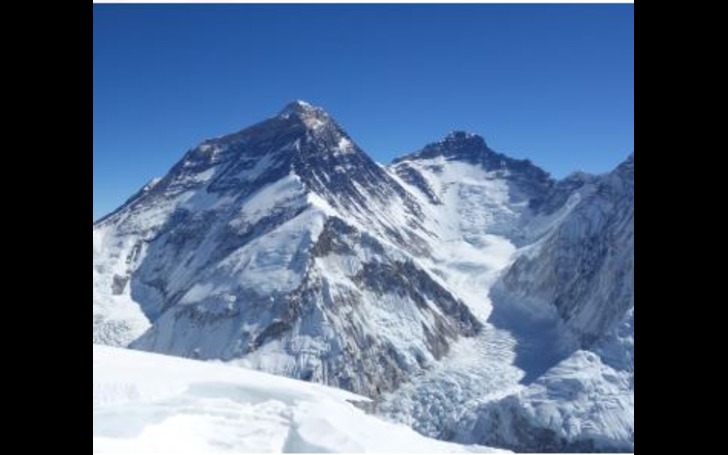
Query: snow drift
(146, 402)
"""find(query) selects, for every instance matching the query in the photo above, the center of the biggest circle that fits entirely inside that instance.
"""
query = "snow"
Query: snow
(145, 402)
(477, 201)
(476, 369)
(581, 402)
(277, 194)
(314, 117)
(118, 320)
(467, 258)
(266, 264)
(345, 146)
(482, 226)
(296, 107)
(257, 274)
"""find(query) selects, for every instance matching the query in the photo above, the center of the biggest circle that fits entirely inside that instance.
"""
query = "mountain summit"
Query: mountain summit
(303, 110)
(282, 241)
(463, 290)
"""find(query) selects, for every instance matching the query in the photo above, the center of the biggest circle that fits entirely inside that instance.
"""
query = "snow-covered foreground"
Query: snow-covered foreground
(147, 402)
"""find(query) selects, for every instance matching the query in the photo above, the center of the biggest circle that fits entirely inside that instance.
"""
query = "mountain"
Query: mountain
(563, 287)
(485, 190)
(147, 402)
(584, 266)
(469, 294)
(282, 245)
(581, 276)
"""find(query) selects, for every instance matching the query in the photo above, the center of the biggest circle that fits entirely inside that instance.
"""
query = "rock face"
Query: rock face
(584, 266)
(472, 295)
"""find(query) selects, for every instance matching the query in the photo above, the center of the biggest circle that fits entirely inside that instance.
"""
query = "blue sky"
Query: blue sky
(553, 83)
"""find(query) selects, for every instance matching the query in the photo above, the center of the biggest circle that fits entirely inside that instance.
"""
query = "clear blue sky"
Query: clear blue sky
(554, 83)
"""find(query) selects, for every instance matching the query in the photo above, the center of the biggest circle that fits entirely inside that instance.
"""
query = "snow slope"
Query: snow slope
(146, 402)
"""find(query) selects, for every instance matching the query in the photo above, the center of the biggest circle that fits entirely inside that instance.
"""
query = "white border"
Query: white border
(362, 1)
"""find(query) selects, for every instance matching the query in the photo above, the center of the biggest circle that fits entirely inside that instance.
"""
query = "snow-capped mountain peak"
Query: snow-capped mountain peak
(462, 169)
(457, 144)
(312, 116)
(300, 107)
(464, 137)
(286, 241)
(471, 148)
